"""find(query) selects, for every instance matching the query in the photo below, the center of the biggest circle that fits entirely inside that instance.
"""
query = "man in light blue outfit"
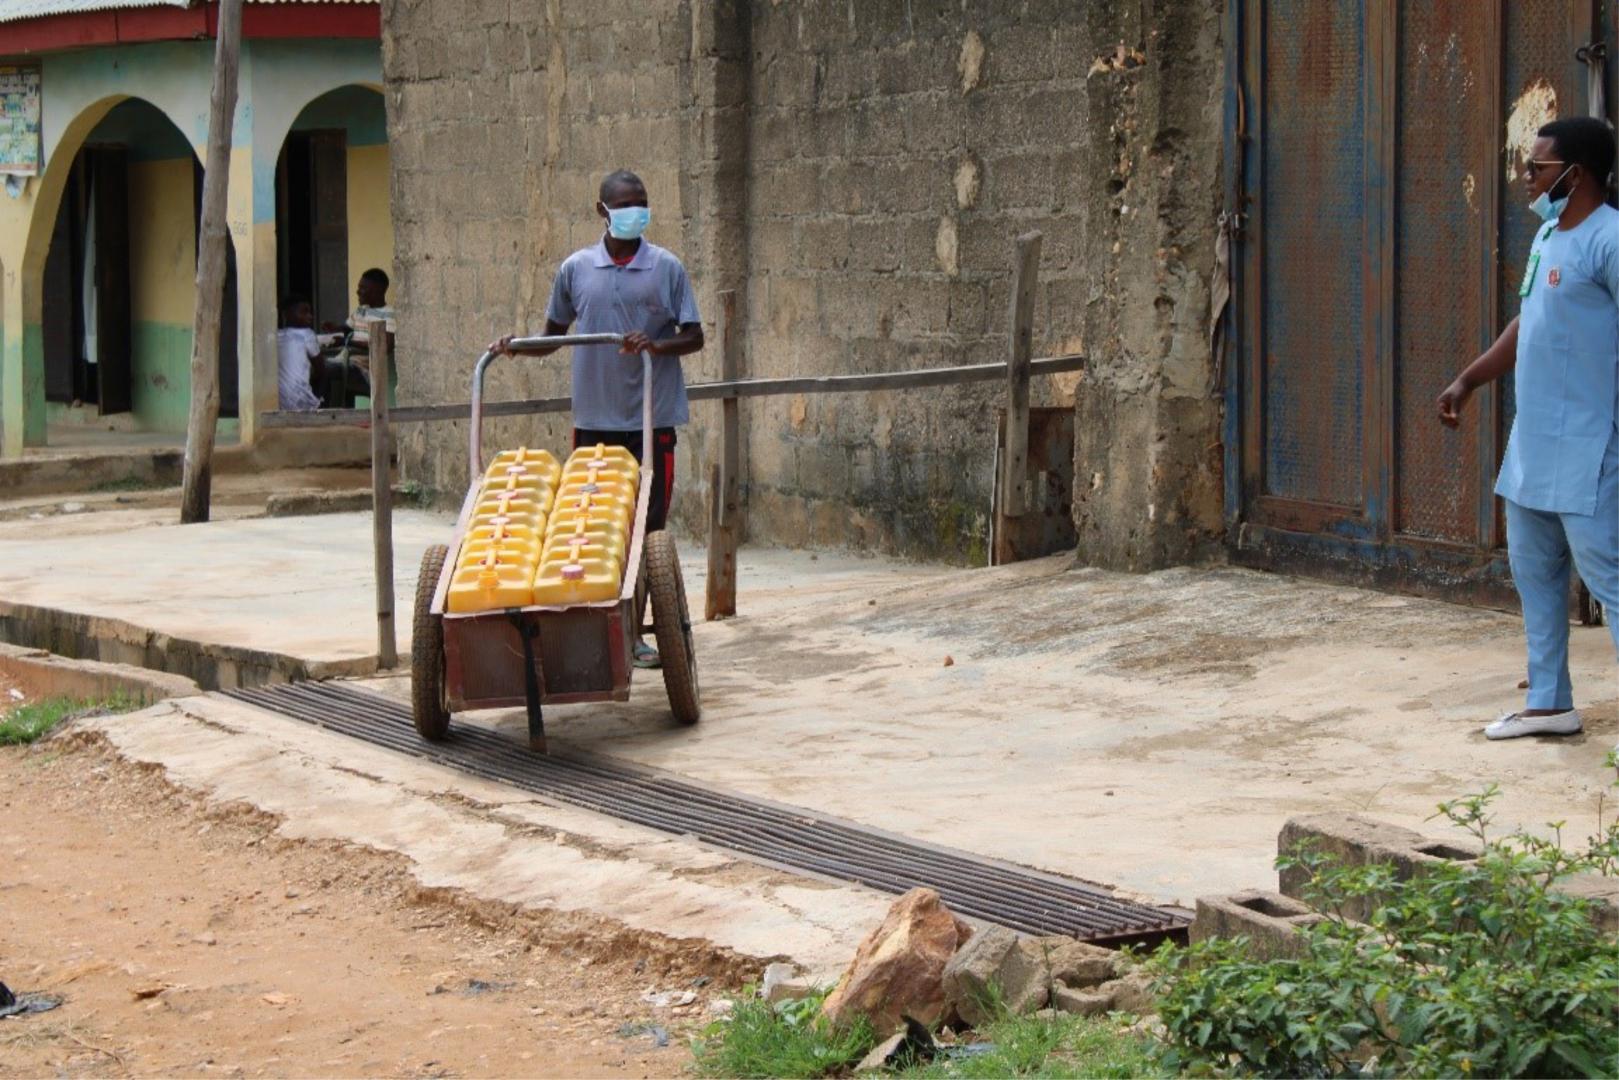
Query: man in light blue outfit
(1560, 475)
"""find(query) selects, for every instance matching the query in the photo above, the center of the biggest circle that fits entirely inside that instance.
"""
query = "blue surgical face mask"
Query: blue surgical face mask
(1548, 208)
(628, 222)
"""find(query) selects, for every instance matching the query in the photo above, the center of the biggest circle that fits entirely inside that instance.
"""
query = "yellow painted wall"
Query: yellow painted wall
(371, 228)
(162, 290)
(162, 242)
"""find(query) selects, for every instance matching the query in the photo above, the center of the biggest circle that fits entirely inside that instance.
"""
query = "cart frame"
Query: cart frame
(543, 655)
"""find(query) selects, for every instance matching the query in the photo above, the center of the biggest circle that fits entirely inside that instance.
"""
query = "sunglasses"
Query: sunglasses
(1536, 166)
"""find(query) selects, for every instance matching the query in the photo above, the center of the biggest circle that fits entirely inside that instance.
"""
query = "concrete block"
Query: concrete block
(1089, 1001)
(1360, 841)
(1355, 840)
(1270, 921)
(1603, 892)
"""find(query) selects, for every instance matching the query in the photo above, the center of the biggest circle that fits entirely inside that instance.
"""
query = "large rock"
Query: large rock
(898, 971)
(1132, 993)
(971, 973)
(1023, 972)
(1075, 962)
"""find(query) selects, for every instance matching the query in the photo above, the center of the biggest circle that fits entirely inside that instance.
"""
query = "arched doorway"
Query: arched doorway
(118, 285)
(332, 212)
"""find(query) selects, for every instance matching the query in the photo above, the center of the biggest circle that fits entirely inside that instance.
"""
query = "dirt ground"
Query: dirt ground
(272, 957)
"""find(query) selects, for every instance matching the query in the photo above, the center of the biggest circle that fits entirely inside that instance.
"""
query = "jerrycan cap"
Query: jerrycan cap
(590, 488)
(573, 572)
(499, 520)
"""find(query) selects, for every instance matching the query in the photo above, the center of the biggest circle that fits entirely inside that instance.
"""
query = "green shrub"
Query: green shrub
(1472, 968)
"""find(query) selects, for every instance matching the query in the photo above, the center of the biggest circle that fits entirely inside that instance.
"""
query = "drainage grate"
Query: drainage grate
(801, 840)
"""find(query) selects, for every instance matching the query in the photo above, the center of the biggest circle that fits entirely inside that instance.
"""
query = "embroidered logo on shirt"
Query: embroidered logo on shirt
(1553, 276)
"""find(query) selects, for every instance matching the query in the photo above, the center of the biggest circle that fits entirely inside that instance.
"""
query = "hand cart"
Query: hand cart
(537, 656)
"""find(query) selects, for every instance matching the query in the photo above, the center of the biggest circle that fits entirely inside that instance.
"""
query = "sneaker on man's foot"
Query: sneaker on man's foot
(1516, 725)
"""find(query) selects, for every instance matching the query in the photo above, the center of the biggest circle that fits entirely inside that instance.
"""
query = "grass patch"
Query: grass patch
(127, 483)
(1061, 1046)
(789, 1039)
(36, 719)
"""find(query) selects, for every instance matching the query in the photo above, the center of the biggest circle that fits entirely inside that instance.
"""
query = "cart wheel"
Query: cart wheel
(429, 706)
(671, 622)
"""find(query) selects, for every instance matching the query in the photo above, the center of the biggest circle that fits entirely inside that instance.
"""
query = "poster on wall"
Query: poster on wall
(19, 120)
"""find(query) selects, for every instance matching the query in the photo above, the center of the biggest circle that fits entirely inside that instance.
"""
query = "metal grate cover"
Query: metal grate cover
(789, 837)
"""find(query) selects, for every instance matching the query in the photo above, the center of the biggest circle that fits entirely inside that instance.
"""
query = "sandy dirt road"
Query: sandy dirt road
(190, 940)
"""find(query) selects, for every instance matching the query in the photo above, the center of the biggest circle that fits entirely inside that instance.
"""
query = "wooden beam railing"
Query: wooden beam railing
(709, 391)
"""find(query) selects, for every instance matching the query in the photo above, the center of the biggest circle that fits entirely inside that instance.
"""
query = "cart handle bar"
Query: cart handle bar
(556, 342)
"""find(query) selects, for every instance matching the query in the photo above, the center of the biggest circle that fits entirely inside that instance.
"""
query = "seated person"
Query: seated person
(298, 356)
(372, 294)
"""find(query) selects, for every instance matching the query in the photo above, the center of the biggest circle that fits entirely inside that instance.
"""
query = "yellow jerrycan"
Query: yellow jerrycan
(601, 455)
(490, 584)
(595, 512)
(507, 547)
(561, 583)
(599, 490)
(526, 507)
(518, 483)
(525, 461)
(601, 541)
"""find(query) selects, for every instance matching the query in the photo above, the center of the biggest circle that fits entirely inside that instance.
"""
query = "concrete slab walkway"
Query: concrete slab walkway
(1149, 732)
(225, 603)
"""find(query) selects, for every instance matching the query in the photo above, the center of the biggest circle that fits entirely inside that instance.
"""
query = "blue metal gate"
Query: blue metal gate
(1374, 153)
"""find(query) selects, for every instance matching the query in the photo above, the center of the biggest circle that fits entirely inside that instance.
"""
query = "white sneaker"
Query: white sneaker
(1516, 725)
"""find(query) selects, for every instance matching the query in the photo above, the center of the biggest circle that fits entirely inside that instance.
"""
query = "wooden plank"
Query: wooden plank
(714, 391)
(382, 527)
(730, 418)
(726, 477)
(716, 543)
(197, 481)
(1015, 458)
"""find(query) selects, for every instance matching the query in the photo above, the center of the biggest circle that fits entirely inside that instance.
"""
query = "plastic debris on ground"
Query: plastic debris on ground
(25, 1004)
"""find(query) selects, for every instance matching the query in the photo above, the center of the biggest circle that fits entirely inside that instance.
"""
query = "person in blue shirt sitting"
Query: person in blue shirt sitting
(1560, 475)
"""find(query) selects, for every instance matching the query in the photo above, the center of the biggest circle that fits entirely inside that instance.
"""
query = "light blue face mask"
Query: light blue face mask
(1548, 208)
(628, 222)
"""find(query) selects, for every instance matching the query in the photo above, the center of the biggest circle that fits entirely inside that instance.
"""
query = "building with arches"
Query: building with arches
(98, 212)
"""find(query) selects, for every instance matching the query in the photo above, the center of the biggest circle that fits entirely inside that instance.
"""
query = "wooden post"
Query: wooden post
(197, 483)
(725, 516)
(1014, 476)
(382, 509)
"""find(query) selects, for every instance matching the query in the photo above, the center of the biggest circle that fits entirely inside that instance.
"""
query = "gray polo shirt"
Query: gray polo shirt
(650, 294)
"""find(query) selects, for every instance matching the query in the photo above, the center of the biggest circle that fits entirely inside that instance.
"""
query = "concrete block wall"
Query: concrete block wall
(503, 118)
(857, 172)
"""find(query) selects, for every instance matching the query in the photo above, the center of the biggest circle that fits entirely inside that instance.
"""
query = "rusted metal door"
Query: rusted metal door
(1375, 152)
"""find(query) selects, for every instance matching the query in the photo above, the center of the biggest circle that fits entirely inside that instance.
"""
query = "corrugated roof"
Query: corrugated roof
(15, 10)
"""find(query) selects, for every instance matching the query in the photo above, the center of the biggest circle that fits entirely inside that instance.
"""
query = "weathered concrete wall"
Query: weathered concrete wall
(857, 171)
(503, 118)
